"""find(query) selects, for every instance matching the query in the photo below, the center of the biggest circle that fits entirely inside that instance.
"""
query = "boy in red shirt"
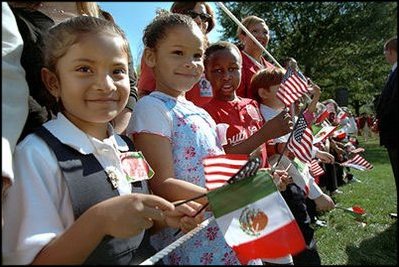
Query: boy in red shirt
(238, 119)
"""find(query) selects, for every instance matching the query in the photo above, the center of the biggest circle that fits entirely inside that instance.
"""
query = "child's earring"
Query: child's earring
(57, 99)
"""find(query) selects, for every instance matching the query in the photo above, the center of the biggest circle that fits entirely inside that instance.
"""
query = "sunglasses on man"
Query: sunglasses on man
(203, 16)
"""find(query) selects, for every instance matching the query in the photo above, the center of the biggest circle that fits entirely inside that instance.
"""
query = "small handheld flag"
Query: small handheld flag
(219, 169)
(255, 220)
(357, 162)
(291, 88)
(301, 142)
(315, 169)
(358, 212)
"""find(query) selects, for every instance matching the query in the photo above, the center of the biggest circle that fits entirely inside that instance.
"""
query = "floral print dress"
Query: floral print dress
(193, 137)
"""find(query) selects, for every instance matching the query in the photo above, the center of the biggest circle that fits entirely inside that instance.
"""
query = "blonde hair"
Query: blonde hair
(265, 78)
(249, 22)
(88, 8)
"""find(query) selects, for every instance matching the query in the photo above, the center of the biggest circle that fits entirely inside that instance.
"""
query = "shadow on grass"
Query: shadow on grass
(377, 155)
(379, 250)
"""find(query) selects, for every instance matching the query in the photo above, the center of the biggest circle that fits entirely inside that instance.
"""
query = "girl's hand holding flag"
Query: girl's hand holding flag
(184, 216)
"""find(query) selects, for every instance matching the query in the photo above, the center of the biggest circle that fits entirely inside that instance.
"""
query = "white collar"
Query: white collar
(70, 135)
(394, 66)
(260, 65)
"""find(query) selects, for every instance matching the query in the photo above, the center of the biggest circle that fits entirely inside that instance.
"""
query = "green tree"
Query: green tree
(337, 44)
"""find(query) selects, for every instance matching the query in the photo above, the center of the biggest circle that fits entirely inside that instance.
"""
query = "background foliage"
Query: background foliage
(337, 44)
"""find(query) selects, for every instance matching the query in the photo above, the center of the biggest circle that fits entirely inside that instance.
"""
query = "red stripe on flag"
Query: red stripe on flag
(292, 88)
(219, 169)
(286, 240)
(302, 149)
(358, 162)
(315, 169)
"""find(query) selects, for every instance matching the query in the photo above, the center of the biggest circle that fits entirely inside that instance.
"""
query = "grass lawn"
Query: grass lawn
(347, 242)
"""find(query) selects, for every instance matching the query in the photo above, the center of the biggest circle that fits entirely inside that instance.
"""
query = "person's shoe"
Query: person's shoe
(393, 215)
(354, 180)
(336, 191)
(320, 223)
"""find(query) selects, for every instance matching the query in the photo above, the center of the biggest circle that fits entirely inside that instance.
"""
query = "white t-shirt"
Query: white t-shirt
(38, 207)
(269, 113)
(14, 89)
(143, 116)
(315, 191)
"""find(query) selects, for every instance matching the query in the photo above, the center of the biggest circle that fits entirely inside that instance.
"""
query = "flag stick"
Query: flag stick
(188, 200)
(231, 15)
(349, 210)
(289, 166)
(165, 251)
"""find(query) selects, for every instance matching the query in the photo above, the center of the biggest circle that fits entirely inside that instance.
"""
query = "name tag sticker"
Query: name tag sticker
(135, 166)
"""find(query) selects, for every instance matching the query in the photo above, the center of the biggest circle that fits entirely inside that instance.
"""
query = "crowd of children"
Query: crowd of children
(86, 192)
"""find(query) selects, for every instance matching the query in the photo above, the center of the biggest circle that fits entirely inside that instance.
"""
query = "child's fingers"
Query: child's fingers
(158, 202)
(145, 224)
(152, 213)
(195, 205)
(187, 224)
(184, 209)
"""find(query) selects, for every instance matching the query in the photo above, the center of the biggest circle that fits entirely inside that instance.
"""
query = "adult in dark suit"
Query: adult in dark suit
(387, 108)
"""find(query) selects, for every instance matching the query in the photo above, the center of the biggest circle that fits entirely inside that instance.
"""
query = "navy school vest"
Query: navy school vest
(88, 184)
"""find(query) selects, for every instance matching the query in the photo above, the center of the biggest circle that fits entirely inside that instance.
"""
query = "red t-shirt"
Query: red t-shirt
(146, 82)
(249, 68)
(200, 94)
(242, 117)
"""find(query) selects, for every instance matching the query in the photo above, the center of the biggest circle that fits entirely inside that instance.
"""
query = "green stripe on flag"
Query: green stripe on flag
(239, 194)
(316, 129)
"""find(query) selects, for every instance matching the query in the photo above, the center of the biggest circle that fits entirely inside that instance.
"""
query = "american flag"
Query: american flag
(315, 169)
(358, 162)
(219, 169)
(291, 88)
(301, 142)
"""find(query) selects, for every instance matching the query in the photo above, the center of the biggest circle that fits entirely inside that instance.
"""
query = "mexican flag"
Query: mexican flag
(321, 133)
(255, 220)
(339, 133)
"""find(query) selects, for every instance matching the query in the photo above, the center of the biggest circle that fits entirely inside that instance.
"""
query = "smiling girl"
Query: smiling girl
(73, 202)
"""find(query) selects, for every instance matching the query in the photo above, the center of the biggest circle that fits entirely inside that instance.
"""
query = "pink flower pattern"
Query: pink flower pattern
(194, 127)
(190, 152)
(197, 243)
(181, 122)
(229, 258)
(193, 137)
(174, 258)
(207, 258)
(211, 233)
